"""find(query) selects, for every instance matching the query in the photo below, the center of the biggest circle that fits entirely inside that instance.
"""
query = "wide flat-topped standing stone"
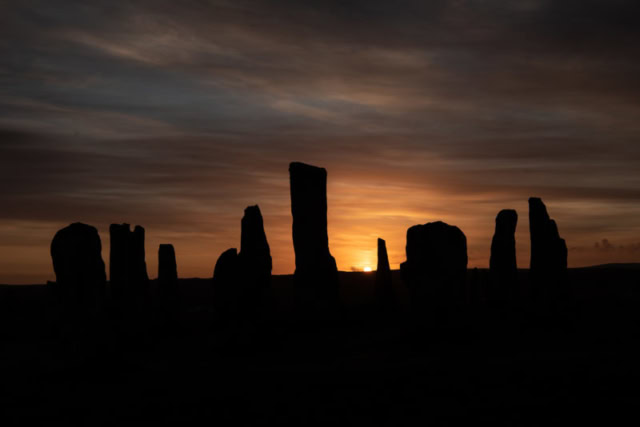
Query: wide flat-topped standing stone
(127, 264)
(502, 264)
(548, 249)
(316, 274)
(76, 252)
(436, 264)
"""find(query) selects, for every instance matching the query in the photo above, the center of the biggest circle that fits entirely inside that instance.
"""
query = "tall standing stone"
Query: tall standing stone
(254, 261)
(76, 252)
(436, 267)
(548, 250)
(316, 275)
(384, 288)
(127, 266)
(502, 264)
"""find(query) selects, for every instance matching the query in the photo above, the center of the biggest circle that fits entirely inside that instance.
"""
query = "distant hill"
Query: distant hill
(617, 266)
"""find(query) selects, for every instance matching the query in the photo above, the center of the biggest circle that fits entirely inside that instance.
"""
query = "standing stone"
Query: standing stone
(255, 255)
(167, 271)
(76, 252)
(225, 283)
(139, 259)
(254, 261)
(548, 250)
(127, 265)
(502, 264)
(384, 290)
(436, 267)
(316, 275)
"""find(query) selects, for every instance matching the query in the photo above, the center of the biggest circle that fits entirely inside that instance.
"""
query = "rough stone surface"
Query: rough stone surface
(548, 249)
(225, 283)
(255, 255)
(127, 266)
(436, 266)
(316, 275)
(502, 264)
(76, 252)
(384, 288)
(167, 270)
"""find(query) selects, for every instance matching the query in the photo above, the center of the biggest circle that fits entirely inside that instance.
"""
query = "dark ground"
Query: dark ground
(360, 367)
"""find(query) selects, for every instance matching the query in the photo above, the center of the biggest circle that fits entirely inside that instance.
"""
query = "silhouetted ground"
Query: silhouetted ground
(514, 368)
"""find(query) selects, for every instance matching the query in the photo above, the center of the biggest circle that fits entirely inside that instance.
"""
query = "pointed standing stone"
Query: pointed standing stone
(548, 269)
(316, 275)
(254, 261)
(384, 290)
(548, 250)
(254, 256)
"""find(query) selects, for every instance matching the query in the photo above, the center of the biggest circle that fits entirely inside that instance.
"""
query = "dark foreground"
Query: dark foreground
(361, 366)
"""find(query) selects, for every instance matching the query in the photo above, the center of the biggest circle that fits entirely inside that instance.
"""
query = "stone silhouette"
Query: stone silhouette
(254, 262)
(436, 267)
(502, 264)
(254, 256)
(76, 252)
(225, 283)
(384, 289)
(167, 271)
(548, 250)
(316, 274)
(127, 265)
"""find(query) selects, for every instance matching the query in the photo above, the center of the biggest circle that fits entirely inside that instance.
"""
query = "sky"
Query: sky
(178, 115)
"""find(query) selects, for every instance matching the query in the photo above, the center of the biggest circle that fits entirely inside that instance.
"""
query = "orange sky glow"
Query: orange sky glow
(178, 115)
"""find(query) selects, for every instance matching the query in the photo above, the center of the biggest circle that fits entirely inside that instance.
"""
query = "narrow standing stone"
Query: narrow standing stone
(316, 275)
(167, 270)
(384, 287)
(502, 264)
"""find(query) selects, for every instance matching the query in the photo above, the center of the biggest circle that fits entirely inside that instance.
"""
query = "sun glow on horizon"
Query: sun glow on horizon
(367, 269)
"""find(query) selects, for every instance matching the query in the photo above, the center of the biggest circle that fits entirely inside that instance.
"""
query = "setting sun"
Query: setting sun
(367, 269)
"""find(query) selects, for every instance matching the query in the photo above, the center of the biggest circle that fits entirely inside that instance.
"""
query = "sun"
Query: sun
(367, 269)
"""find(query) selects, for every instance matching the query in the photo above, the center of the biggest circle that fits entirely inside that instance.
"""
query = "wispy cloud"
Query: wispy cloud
(178, 115)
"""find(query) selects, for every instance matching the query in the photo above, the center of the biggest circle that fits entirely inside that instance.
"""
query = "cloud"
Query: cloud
(605, 246)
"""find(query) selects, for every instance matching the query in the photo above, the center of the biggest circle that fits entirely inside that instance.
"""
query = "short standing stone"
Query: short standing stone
(436, 266)
(167, 270)
(384, 289)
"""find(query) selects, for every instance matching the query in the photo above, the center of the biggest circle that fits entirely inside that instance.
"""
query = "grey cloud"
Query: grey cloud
(181, 113)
